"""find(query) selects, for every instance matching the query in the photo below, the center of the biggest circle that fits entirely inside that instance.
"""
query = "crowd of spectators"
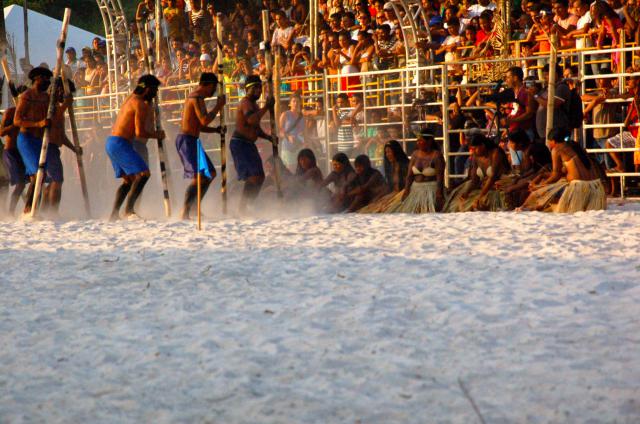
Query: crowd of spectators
(366, 35)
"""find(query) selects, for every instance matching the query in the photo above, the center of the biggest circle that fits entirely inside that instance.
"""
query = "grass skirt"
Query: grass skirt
(421, 199)
(382, 204)
(495, 200)
(581, 196)
(543, 198)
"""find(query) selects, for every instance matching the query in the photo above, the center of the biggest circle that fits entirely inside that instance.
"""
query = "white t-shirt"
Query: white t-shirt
(450, 56)
(583, 21)
(280, 36)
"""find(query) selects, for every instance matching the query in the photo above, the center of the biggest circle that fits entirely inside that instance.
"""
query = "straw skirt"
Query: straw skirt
(421, 199)
(581, 196)
(543, 198)
(495, 200)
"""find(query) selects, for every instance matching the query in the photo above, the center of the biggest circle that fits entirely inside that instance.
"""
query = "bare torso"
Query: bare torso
(243, 128)
(9, 130)
(32, 107)
(573, 166)
(135, 109)
(190, 122)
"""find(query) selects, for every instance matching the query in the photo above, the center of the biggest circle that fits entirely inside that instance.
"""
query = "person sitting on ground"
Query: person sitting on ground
(531, 160)
(478, 193)
(307, 171)
(424, 186)
(367, 187)
(396, 165)
(342, 177)
(581, 191)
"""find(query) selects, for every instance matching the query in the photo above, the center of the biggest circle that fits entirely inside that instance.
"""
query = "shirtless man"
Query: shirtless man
(243, 141)
(31, 117)
(58, 138)
(10, 156)
(130, 124)
(195, 119)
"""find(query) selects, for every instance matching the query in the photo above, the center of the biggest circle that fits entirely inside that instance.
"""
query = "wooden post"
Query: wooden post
(52, 100)
(551, 87)
(270, 83)
(25, 13)
(76, 144)
(223, 128)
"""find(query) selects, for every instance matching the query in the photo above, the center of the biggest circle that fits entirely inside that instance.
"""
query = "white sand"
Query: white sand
(340, 319)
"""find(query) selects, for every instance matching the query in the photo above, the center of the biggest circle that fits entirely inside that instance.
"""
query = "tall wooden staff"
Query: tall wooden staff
(162, 156)
(223, 128)
(272, 118)
(551, 88)
(76, 144)
(52, 102)
(7, 77)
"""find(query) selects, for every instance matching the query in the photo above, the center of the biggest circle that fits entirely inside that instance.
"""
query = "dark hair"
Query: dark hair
(344, 160)
(305, 153)
(252, 79)
(519, 137)
(208, 78)
(516, 71)
(563, 3)
(401, 158)
(481, 140)
(363, 160)
(453, 22)
(343, 96)
(562, 135)
(39, 71)
(146, 81)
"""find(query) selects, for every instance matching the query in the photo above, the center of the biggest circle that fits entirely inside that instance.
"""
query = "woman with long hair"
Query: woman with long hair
(490, 164)
(368, 186)
(396, 165)
(292, 130)
(342, 178)
(424, 187)
(307, 172)
(574, 181)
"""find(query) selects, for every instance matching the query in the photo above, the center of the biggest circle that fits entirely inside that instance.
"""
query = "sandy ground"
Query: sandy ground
(325, 319)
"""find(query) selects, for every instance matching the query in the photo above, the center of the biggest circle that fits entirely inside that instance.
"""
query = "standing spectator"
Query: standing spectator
(385, 59)
(608, 25)
(524, 109)
(565, 23)
(342, 123)
(200, 24)
(603, 113)
(72, 61)
(292, 130)
(283, 34)
(176, 21)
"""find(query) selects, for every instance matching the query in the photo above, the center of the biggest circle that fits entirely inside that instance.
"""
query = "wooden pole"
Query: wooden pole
(76, 144)
(7, 77)
(270, 83)
(52, 100)
(25, 15)
(223, 128)
(551, 87)
(162, 156)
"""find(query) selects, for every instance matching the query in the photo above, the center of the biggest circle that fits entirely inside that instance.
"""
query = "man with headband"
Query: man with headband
(31, 117)
(195, 119)
(243, 148)
(127, 163)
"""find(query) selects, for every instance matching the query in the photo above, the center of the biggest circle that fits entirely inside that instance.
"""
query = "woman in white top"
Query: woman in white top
(347, 58)
(292, 131)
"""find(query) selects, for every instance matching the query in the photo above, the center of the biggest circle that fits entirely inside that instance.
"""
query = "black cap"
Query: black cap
(40, 71)
(252, 80)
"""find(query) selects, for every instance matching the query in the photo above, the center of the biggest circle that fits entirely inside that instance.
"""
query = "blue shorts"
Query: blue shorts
(30, 147)
(246, 158)
(15, 166)
(187, 146)
(125, 160)
(141, 149)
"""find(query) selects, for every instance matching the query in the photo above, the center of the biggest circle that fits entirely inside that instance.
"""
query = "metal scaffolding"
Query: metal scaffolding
(118, 39)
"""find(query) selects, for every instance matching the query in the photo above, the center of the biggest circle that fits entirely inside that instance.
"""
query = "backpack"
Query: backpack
(574, 112)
